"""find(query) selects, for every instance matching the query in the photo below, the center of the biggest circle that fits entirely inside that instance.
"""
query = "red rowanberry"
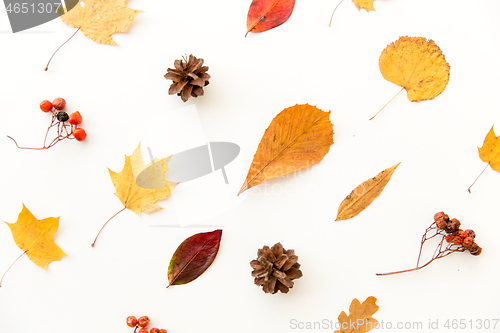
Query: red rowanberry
(438, 215)
(79, 134)
(131, 321)
(143, 321)
(59, 103)
(458, 240)
(143, 330)
(449, 238)
(467, 243)
(470, 233)
(441, 223)
(163, 330)
(75, 118)
(45, 106)
(154, 330)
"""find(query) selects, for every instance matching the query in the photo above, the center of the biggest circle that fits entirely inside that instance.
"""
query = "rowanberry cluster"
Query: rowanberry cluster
(142, 324)
(66, 126)
(455, 235)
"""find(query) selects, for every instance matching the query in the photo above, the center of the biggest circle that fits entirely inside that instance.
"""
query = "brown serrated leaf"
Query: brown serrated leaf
(298, 137)
(363, 195)
(360, 318)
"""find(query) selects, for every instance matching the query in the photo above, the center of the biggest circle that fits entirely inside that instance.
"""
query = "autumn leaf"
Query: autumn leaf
(365, 4)
(363, 195)
(35, 238)
(360, 318)
(99, 19)
(132, 196)
(417, 65)
(490, 153)
(267, 14)
(193, 257)
(298, 137)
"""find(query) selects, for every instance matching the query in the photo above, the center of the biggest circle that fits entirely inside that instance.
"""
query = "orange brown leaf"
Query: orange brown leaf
(360, 318)
(99, 19)
(267, 14)
(416, 64)
(35, 237)
(298, 137)
(363, 195)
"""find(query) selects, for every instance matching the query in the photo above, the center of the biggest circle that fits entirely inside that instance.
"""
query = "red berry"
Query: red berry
(441, 223)
(143, 321)
(45, 106)
(438, 215)
(75, 118)
(467, 243)
(59, 103)
(449, 238)
(131, 321)
(143, 330)
(154, 330)
(462, 233)
(80, 135)
(458, 240)
(471, 233)
(163, 330)
(475, 250)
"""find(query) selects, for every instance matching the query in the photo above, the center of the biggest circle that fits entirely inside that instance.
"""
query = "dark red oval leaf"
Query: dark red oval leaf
(193, 257)
(267, 14)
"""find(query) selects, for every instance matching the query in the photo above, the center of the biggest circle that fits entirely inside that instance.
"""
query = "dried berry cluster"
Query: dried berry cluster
(66, 126)
(142, 324)
(455, 235)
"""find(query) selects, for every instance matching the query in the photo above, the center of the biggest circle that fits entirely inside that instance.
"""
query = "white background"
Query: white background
(120, 91)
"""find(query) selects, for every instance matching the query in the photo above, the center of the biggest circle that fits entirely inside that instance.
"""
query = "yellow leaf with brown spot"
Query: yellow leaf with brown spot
(298, 137)
(139, 199)
(36, 237)
(99, 19)
(360, 318)
(366, 4)
(416, 64)
(363, 195)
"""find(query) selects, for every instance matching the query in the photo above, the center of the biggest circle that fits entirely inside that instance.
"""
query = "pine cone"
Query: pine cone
(189, 77)
(275, 269)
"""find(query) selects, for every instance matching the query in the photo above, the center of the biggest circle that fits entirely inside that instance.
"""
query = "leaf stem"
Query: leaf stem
(1, 279)
(478, 177)
(53, 54)
(387, 103)
(331, 18)
(105, 225)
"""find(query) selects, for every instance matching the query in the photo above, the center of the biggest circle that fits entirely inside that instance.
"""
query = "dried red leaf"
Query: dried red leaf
(193, 257)
(267, 14)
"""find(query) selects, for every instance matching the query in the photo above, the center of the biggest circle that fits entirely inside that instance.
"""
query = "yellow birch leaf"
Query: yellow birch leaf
(298, 137)
(416, 64)
(99, 19)
(363, 195)
(360, 318)
(35, 237)
(366, 4)
(134, 197)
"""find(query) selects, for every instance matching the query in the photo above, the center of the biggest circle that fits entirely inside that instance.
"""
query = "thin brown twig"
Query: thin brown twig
(1, 279)
(478, 177)
(331, 18)
(105, 225)
(53, 54)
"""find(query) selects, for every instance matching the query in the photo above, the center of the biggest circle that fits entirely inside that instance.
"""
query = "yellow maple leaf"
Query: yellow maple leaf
(416, 64)
(360, 318)
(134, 197)
(366, 4)
(99, 19)
(35, 237)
